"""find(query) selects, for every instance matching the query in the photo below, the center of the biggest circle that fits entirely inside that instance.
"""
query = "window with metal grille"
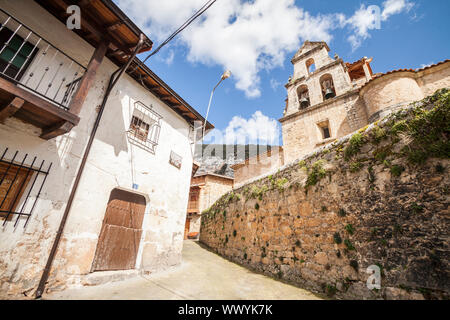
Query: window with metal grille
(17, 54)
(139, 128)
(21, 183)
(145, 127)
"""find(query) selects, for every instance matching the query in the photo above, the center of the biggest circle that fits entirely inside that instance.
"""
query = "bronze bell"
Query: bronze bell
(304, 103)
(329, 93)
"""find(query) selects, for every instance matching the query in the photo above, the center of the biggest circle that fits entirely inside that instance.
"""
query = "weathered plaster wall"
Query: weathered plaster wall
(380, 198)
(194, 225)
(214, 188)
(113, 163)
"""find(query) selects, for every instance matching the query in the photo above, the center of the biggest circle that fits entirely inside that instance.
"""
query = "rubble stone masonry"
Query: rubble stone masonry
(379, 196)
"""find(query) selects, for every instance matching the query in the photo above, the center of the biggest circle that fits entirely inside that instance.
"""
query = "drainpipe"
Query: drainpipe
(112, 82)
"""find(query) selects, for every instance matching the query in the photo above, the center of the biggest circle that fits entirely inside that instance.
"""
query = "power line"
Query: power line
(205, 7)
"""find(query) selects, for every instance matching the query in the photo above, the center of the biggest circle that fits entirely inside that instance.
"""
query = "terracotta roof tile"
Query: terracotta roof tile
(379, 75)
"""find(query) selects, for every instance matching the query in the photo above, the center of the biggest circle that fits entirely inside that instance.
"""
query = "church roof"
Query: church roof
(380, 75)
(313, 45)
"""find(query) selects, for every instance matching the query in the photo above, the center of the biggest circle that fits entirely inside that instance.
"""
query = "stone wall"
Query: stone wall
(214, 186)
(378, 197)
(301, 130)
(258, 166)
(400, 88)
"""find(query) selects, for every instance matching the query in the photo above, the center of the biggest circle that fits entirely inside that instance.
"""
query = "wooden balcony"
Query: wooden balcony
(193, 206)
(37, 80)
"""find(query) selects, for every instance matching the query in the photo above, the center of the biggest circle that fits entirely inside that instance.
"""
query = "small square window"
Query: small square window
(139, 128)
(324, 127)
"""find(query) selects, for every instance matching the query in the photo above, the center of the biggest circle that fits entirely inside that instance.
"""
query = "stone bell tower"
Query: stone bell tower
(322, 102)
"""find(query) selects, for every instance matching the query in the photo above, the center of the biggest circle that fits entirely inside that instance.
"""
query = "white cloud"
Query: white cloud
(392, 7)
(258, 129)
(170, 57)
(275, 84)
(248, 37)
(426, 65)
(369, 18)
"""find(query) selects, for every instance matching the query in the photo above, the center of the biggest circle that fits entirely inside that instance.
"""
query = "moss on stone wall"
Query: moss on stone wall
(385, 191)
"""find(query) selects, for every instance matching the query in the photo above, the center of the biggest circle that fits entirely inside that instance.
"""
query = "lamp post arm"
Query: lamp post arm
(209, 106)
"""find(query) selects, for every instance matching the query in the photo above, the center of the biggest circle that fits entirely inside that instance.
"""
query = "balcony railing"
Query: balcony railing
(33, 63)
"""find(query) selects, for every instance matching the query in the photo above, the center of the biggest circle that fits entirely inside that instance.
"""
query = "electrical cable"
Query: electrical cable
(205, 7)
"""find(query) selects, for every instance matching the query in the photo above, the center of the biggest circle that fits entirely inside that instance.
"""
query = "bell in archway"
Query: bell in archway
(304, 103)
(329, 93)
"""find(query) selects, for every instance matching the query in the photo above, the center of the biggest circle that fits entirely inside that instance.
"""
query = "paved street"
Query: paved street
(202, 275)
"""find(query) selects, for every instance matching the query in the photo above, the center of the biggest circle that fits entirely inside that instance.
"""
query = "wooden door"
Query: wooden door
(186, 227)
(121, 231)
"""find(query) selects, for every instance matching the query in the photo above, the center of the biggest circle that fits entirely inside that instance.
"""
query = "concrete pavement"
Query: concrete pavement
(202, 275)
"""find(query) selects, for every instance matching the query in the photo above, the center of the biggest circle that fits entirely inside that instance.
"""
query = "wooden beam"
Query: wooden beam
(114, 26)
(11, 108)
(89, 23)
(88, 79)
(33, 99)
(56, 130)
(84, 3)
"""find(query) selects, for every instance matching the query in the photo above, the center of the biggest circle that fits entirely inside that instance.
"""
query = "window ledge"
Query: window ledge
(325, 141)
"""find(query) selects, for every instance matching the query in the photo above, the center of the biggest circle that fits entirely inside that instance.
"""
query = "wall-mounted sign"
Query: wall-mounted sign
(175, 159)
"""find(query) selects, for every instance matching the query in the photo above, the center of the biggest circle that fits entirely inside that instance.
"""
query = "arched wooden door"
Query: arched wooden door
(121, 231)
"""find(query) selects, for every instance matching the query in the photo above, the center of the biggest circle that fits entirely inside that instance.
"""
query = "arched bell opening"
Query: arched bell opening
(310, 65)
(303, 97)
(327, 85)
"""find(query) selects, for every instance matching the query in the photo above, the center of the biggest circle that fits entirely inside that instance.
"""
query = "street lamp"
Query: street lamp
(225, 75)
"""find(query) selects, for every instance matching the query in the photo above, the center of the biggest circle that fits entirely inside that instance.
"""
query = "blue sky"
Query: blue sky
(413, 33)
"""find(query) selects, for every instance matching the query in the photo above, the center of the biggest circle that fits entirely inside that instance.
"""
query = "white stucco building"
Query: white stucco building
(129, 208)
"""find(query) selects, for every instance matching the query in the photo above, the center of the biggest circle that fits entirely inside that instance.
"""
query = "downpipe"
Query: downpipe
(112, 82)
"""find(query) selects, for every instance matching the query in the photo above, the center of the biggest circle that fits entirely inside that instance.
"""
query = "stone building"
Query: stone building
(258, 165)
(329, 98)
(205, 189)
(67, 213)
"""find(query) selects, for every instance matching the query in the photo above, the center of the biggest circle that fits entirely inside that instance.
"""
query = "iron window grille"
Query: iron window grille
(33, 63)
(21, 183)
(145, 127)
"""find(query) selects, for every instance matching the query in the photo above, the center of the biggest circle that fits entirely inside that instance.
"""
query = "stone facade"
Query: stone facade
(356, 98)
(258, 165)
(379, 197)
(205, 190)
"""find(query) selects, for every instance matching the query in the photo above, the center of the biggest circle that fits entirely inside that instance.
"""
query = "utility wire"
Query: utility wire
(205, 7)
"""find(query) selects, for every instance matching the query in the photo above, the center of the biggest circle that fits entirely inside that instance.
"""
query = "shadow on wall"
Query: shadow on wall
(112, 130)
